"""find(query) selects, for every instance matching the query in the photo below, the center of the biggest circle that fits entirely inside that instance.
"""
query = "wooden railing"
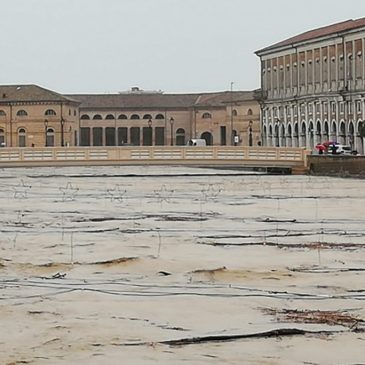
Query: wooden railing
(211, 155)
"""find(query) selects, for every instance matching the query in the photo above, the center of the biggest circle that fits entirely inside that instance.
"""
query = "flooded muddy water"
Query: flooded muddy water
(170, 265)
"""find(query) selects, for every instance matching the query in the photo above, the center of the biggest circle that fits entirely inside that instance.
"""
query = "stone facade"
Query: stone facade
(313, 87)
(150, 118)
(34, 116)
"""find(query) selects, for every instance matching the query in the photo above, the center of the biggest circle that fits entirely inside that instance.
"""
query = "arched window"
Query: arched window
(249, 112)
(97, 117)
(22, 134)
(122, 116)
(2, 113)
(21, 113)
(135, 116)
(84, 117)
(147, 116)
(109, 116)
(234, 113)
(207, 116)
(50, 112)
(159, 116)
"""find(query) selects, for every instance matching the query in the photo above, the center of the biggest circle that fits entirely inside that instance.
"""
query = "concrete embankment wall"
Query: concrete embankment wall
(337, 165)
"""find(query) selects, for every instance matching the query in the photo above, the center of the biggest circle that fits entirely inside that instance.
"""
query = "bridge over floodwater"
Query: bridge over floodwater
(293, 159)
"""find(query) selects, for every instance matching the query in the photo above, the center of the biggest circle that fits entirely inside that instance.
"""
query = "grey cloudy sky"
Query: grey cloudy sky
(89, 46)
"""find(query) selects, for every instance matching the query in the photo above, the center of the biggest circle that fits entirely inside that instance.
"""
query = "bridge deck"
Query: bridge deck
(161, 155)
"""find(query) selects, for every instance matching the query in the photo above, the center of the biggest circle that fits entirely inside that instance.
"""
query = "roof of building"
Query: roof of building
(325, 31)
(223, 98)
(159, 100)
(30, 93)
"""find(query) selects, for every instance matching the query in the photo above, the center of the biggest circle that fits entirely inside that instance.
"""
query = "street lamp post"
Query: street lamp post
(172, 120)
(231, 102)
(250, 133)
(62, 132)
(45, 132)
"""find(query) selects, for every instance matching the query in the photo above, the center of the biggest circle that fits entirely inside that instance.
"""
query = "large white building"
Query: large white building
(313, 87)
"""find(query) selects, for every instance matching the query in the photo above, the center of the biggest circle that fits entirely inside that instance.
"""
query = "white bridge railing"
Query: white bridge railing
(156, 154)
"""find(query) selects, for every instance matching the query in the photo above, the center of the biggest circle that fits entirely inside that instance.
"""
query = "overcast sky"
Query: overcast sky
(91, 46)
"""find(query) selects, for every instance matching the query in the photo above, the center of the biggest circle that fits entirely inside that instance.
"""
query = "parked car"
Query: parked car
(334, 148)
(197, 142)
(339, 149)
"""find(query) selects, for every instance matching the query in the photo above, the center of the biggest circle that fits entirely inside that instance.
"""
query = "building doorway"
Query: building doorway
(208, 138)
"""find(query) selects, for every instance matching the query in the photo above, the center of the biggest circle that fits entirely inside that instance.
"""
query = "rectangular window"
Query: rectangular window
(318, 108)
(224, 135)
(351, 108)
(358, 107)
(342, 108)
(160, 136)
(302, 109)
(122, 136)
(333, 107)
(85, 137)
(325, 108)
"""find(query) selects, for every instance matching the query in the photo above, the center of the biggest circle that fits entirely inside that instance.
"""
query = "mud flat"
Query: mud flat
(151, 265)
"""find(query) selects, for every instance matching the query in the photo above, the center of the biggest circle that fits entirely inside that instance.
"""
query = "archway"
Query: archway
(303, 135)
(49, 137)
(264, 135)
(334, 131)
(319, 132)
(296, 135)
(180, 137)
(290, 136)
(311, 135)
(342, 136)
(208, 138)
(326, 131)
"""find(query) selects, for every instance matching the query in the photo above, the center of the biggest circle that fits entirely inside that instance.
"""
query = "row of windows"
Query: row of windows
(51, 112)
(333, 60)
(316, 108)
(121, 116)
(235, 112)
(23, 113)
(23, 131)
(205, 115)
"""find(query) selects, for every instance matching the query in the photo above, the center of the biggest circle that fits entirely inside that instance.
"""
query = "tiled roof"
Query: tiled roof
(318, 33)
(158, 100)
(135, 101)
(30, 93)
(223, 98)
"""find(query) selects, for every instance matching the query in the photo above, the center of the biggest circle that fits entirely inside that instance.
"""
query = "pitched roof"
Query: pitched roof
(328, 30)
(135, 101)
(223, 98)
(30, 93)
(158, 100)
